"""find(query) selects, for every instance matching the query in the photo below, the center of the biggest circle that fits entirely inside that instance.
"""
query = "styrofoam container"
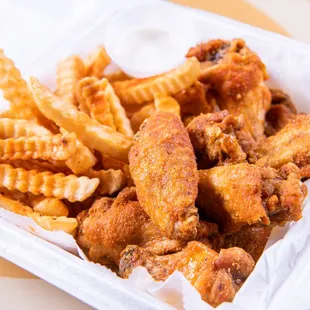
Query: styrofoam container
(281, 279)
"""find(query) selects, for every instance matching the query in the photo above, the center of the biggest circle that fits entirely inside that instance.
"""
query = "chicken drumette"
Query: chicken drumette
(216, 276)
(236, 77)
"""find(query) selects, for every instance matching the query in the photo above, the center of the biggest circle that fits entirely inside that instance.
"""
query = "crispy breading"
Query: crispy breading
(216, 276)
(290, 144)
(163, 167)
(231, 196)
(236, 75)
(215, 138)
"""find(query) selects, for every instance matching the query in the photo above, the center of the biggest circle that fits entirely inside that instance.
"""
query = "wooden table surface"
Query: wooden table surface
(236, 9)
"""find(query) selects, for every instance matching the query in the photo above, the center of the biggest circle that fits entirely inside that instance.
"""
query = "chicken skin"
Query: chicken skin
(236, 76)
(281, 111)
(219, 139)
(231, 196)
(216, 276)
(163, 166)
(243, 194)
(290, 144)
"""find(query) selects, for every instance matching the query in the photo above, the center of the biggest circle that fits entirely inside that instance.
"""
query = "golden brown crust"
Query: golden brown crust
(231, 196)
(216, 276)
(163, 167)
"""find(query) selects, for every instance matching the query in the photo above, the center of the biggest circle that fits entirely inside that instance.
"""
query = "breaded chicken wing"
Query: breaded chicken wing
(216, 276)
(231, 196)
(243, 194)
(282, 109)
(290, 144)
(219, 139)
(111, 224)
(236, 75)
(164, 170)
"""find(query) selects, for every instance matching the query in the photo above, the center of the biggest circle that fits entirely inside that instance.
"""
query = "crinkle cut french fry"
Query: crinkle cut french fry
(169, 83)
(58, 147)
(16, 128)
(15, 90)
(69, 72)
(121, 120)
(49, 206)
(111, 163)
(111, 181)
(165, 103)
(117, 76)
(97, 62)
(14, 206)
(56, 166)
(48, 184)
(92, 100)
(89, 131)
(82, 160)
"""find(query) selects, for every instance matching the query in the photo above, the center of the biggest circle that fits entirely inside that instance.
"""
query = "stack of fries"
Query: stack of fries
(60, 151)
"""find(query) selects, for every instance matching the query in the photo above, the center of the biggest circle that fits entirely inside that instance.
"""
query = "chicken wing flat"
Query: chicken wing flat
(219, 139)
(216, 276)
(110, 225)
(290, 144)
(252, 239)
(236, 75)
(281, 111)
(243, 194)
(164, 170)
(231, 196)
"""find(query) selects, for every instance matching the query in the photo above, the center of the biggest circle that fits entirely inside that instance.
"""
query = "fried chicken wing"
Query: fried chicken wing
(216, 276)
(243, 194)
(252, 239)
(290, 144)
(111, 224)
(282, 109)
(231, 196)
(215, 138)
(236, 75)
(164, 170)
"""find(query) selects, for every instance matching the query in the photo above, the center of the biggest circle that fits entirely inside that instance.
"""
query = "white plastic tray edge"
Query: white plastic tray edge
(65, 271)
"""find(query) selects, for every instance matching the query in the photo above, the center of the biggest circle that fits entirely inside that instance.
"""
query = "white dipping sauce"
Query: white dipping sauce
(152, 49)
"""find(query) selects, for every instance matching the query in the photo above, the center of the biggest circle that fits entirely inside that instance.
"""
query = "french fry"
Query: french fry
(97, 62)
(143, 90)
(48, 184)
(49, 206)
(14, 206)
(16, 128)
(141, 115)
(165, 103)
(89, 131)
(82, 160)
(117, 76)
(63, 223)
(53, 223)
(15, 90)
(69, 72)
(121, 120)
(92, 100)
(111, 181)
(58, 147)
(39, 165)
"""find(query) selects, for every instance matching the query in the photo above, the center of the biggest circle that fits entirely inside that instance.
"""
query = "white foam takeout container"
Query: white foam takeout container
(282, 276)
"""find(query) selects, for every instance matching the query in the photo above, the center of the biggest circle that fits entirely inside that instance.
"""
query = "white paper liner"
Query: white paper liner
(279, 276)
